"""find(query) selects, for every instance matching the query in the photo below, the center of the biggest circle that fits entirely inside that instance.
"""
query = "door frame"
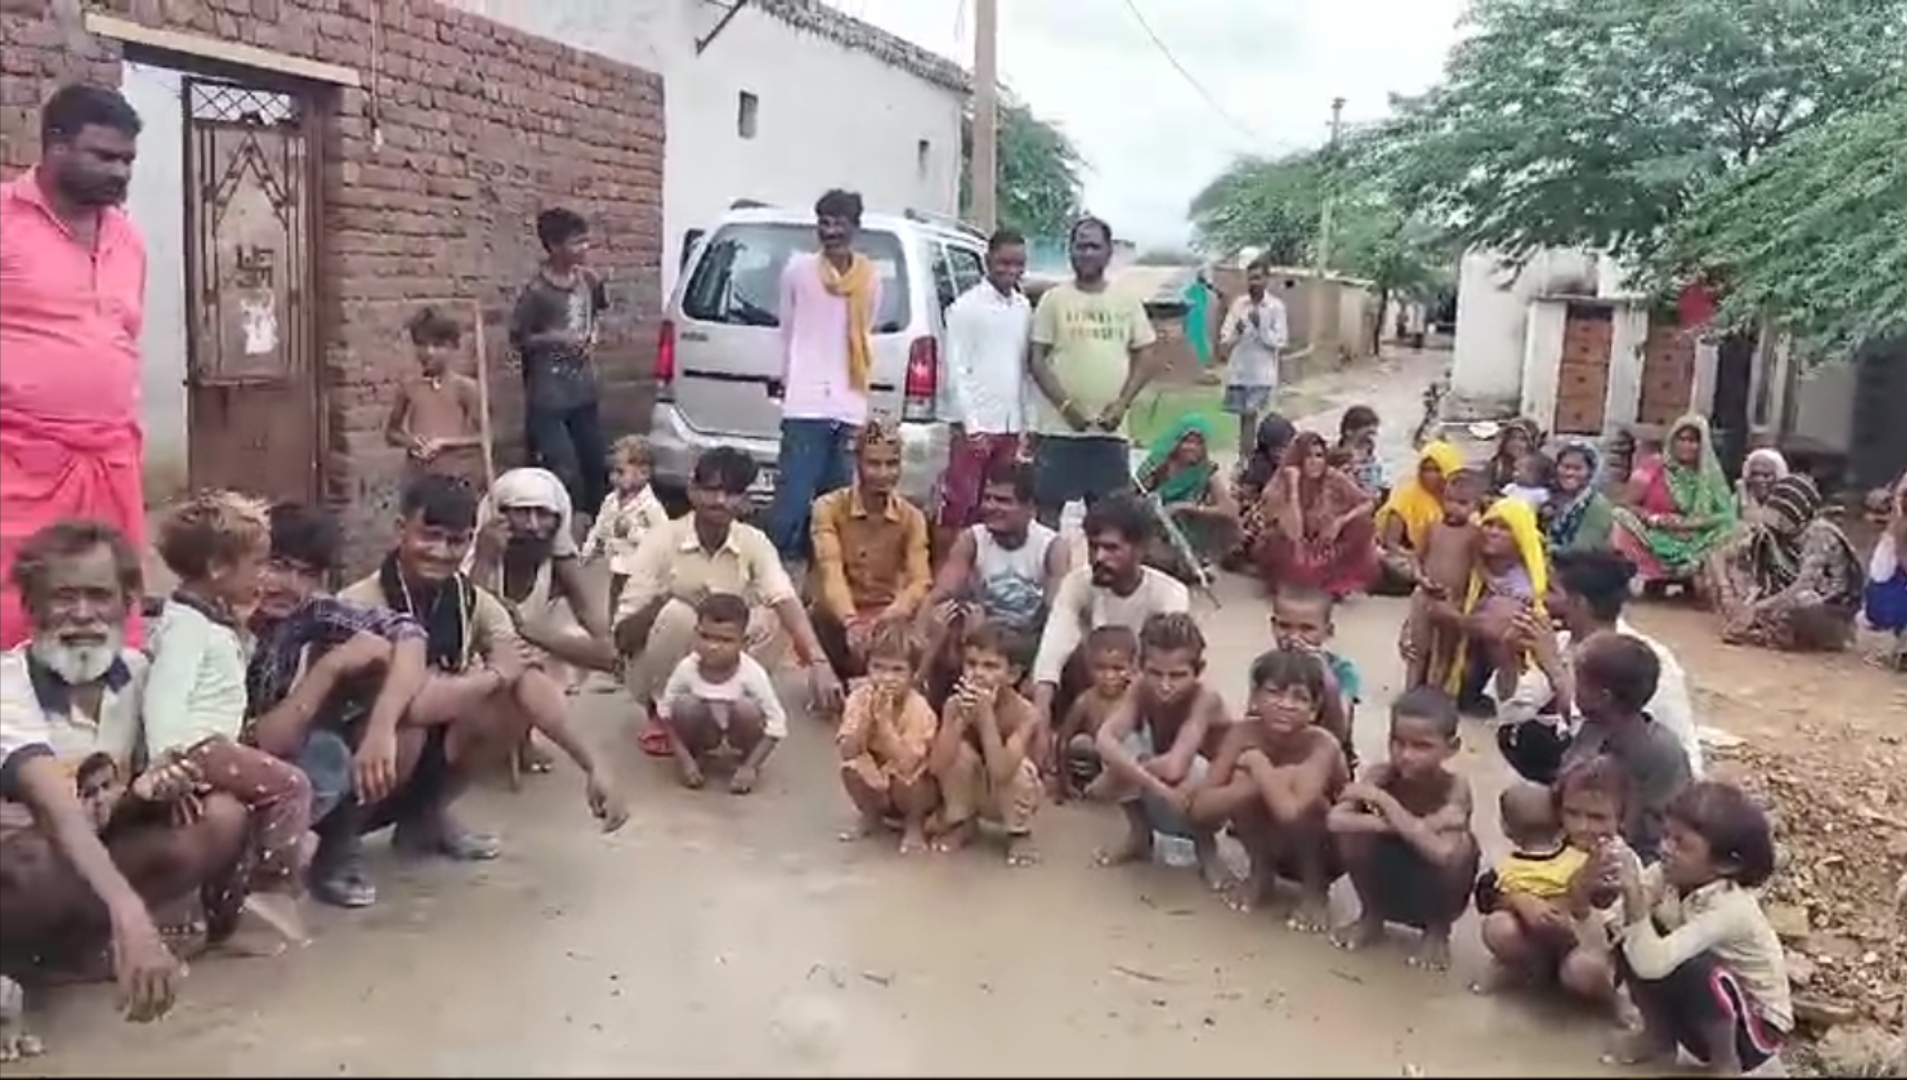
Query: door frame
(316, 100)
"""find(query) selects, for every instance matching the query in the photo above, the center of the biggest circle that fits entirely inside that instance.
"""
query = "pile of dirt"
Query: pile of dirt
(1839, 800)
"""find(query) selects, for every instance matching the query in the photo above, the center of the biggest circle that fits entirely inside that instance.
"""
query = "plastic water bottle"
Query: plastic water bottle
(1177, 852)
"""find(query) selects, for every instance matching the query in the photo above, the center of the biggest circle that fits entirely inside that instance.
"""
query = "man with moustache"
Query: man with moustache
(72, 287)
(83, 880)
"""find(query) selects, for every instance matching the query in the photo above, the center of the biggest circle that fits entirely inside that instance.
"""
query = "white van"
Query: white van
(718, 359)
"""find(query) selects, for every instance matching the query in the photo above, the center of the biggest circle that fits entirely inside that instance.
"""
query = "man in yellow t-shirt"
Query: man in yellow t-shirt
(1089, 360)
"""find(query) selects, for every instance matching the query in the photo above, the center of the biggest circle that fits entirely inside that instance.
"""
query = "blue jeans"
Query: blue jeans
(326, 761)
(816, 458)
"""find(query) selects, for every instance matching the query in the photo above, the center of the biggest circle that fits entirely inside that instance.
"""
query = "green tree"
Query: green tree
(1401, 256)
(1560, 123)
(1814, 235)
(1268, 203)
(1040, 172)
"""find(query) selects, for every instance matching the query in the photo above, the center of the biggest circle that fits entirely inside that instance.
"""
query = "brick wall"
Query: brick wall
(482, 127)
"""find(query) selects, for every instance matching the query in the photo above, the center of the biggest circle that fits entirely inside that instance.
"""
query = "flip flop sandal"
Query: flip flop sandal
(655, 739)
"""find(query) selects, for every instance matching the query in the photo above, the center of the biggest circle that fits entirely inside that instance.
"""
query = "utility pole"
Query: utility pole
(1321, 261)
(986, 113)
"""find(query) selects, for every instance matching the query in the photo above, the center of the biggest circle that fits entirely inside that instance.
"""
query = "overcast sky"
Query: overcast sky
(1151, 139)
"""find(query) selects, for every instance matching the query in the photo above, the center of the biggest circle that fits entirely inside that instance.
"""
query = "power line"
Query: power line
(1252, 138)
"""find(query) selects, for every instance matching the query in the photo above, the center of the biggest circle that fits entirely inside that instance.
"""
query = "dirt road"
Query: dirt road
(717, 934)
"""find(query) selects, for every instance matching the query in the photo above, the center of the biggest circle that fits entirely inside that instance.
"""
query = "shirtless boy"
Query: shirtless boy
(981, 757)
(1443, 576)
(886, 735)
(1111, 654)
(1301, 621)
(1403, 832)
(438, 417)
(1154, 745)
(1274, 779)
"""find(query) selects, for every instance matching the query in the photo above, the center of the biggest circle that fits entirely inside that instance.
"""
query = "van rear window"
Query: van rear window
(738, 279)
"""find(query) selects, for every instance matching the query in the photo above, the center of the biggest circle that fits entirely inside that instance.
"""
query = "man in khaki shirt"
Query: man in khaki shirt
(483, 692)
(870, 553)
(708, 551)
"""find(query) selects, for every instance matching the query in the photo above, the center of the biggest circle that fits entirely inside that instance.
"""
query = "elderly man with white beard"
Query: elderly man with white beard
(84, 870)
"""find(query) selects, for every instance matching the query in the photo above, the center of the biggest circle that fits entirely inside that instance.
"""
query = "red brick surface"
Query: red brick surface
(482, 127)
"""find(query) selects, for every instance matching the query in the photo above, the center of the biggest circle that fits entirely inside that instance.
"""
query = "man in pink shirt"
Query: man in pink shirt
(72, 292)
(828, 301)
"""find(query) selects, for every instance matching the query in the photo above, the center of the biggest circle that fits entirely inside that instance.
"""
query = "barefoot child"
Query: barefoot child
(1155, 744)
(1543, 906)
(1274, 780)
(438, 416)
(195, 697)
(720, 702)
(887, 731)
(1403, 832)
(981, 756)
(1301, 621)
(629, 512)
(1705, 968)
(1443, 574)
(1111, 652)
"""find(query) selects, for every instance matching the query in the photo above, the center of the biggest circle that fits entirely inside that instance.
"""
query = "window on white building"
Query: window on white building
(747, 113)
(923, 157)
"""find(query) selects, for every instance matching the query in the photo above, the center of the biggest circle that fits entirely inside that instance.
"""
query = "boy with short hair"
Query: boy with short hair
(1403, 831)
(630, 511)
(1155, 743)
(438, 417)
(1443, 578)
(982, 755)
(1274, 779)
(1541, 906)
(720, 701)
(885, 738)
(1357, 439)
(1301, 621)
(1615, 677)
(194, 705)
(1111, 654)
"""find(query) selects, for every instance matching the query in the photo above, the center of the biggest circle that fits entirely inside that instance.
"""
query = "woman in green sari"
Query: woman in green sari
(1179, 473)
(1683, 510)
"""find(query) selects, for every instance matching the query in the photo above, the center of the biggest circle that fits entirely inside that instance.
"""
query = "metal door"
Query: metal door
(252, 408)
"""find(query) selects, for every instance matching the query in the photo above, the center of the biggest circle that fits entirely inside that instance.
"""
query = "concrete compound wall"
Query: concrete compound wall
(481, 127)
(825, 115)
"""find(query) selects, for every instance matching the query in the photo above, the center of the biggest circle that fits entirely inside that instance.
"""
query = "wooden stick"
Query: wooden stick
(483, 394)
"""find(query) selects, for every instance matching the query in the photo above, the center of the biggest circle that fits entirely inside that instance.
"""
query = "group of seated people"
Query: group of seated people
(180, 790)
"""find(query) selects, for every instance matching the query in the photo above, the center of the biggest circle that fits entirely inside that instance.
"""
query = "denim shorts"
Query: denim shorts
(1243, 400)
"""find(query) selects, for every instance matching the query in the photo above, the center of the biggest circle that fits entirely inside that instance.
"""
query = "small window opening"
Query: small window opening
(923, 157)
(747, 114)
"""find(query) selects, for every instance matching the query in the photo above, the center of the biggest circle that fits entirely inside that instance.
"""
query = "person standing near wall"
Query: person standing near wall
(1253, 336)
(72, 301)
(828, 302)
(1089, 359)
(554, 330)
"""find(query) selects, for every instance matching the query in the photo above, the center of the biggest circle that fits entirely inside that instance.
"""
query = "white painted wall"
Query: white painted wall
(828, 116)
(1493, 300)
(156, 202)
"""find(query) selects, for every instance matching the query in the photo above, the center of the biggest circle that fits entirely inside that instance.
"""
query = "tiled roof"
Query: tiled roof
(851, 33)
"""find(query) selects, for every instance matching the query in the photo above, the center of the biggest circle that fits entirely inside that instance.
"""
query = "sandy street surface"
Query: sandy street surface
(722, 934)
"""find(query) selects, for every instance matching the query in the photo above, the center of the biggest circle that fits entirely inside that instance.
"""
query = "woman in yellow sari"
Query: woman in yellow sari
(1511, 579)
(1406, 517)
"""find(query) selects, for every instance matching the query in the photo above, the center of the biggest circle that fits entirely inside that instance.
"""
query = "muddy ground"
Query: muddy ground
(723, 934)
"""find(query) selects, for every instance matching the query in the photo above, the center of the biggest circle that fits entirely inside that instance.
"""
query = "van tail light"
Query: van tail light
(665, 361)
(922, 386)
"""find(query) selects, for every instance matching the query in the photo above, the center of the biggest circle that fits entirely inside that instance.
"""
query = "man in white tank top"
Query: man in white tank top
(1005, 568)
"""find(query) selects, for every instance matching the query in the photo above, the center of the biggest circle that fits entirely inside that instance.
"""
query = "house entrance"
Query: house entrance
(251, 170)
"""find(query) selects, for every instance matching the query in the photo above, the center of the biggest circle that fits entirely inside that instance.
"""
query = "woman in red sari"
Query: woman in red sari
(1319, 529)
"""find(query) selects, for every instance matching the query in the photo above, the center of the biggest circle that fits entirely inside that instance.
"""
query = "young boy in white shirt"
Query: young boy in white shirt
(720, 701)
(629, 512)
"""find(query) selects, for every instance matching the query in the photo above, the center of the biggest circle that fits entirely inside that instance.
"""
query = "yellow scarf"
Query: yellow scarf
(1520, 519)
(856, 284)
(1418, 508)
